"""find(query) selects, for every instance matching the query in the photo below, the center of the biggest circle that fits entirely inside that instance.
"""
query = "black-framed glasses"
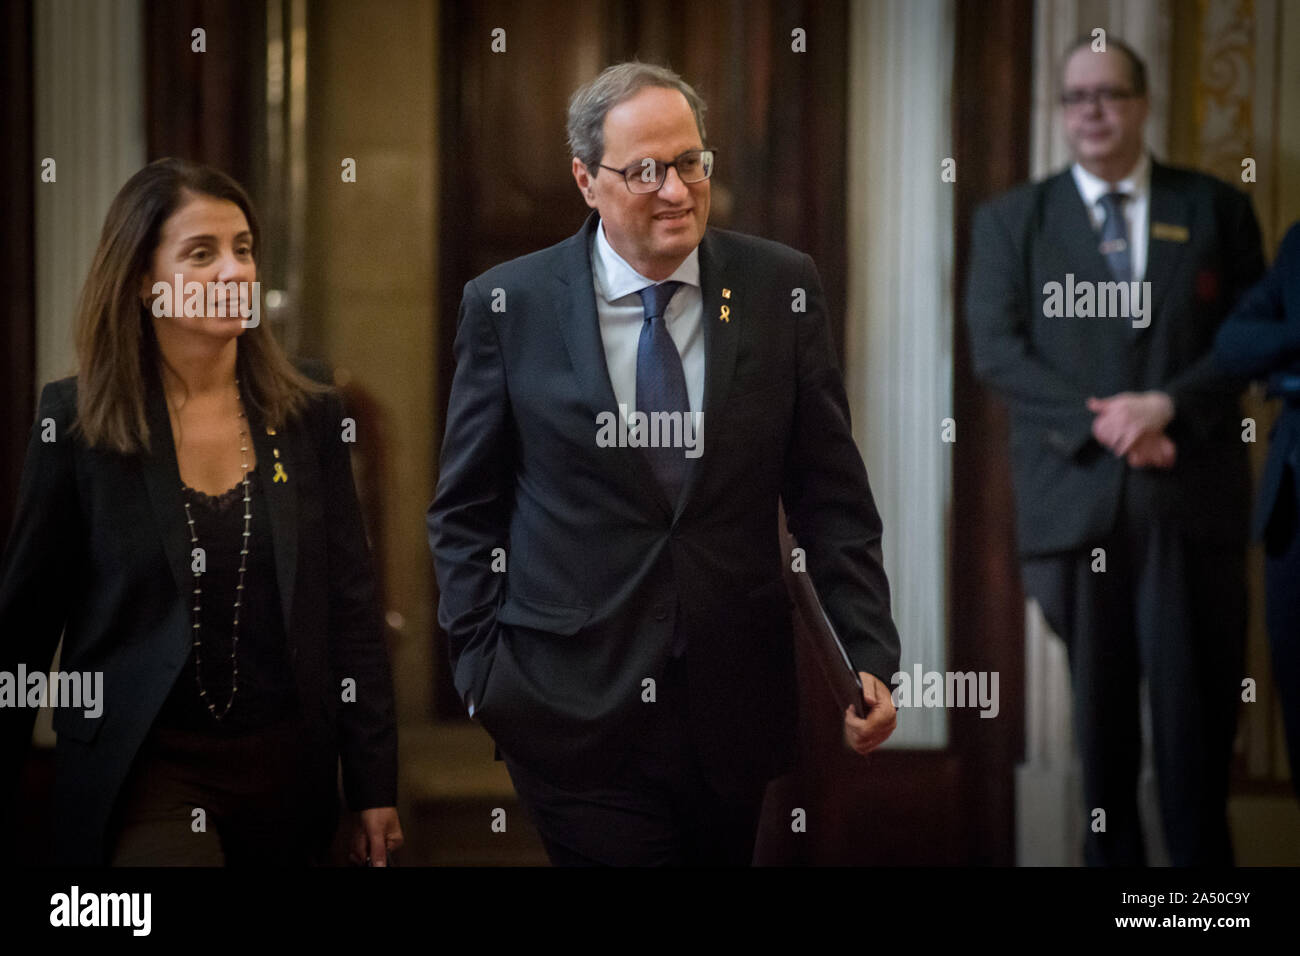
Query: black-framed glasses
(1102, 95)
(649, 175)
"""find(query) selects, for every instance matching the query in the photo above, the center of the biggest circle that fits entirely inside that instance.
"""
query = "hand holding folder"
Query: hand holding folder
(820, 638)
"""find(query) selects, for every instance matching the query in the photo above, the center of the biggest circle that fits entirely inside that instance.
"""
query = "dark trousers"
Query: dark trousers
(657, 810)
(260, 807)
(1171, 607)
(1282, 580)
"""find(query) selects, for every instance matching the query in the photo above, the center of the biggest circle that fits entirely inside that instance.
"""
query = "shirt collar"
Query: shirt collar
(616, 279)
(1137, 184)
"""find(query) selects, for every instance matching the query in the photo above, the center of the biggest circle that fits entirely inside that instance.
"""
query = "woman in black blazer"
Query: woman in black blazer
(187, 520)
(1261, 339)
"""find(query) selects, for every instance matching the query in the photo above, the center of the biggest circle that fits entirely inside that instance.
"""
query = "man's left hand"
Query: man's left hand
(377, 834)
(1124, 418)
(1153, 450)
(865, 735)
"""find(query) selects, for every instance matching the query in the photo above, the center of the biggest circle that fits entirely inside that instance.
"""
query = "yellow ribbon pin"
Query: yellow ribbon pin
(726, 313)
(279, 473)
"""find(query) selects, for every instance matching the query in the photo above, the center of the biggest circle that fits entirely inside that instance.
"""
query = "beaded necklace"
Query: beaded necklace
(239, 589)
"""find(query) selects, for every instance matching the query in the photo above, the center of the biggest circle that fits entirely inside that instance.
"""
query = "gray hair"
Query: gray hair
(590, 104)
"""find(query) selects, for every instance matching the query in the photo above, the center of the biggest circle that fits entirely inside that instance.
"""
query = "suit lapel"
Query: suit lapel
(1167, 207)
(574, 294)
(720, 342)
(162, 480)
(1067, 222)
(1076, 248)
(286, 449)
(579, 325)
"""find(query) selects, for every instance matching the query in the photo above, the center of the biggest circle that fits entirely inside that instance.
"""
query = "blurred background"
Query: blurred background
(835, 148)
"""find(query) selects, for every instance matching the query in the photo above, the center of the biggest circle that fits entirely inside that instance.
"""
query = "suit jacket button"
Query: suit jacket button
(661, 612)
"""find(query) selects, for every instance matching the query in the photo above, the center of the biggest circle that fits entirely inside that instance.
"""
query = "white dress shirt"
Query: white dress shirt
(621, 316)
(1137, 186)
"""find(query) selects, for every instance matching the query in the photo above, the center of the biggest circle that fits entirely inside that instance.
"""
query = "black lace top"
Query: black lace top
(266, 687)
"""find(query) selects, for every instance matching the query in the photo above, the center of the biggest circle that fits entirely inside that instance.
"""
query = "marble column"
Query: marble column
(898, 332)
(89, 119)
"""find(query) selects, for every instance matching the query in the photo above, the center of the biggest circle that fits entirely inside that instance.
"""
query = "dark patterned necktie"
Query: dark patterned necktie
(1114, 237)
(661, 384)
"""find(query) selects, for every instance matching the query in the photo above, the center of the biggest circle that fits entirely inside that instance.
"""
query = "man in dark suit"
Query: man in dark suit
(1093, 300)
(612, 588)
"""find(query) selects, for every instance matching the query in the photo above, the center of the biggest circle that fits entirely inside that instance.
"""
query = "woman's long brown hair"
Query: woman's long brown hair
(117, 351)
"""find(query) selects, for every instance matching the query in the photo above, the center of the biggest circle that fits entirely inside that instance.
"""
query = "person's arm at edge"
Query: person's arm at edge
(1206, 380)
(829, 506)
(470, 513)
(42, 560)
(1258, 337)
(367, 724)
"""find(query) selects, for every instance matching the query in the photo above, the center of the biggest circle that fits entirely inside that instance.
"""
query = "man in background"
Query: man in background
(1093, 300)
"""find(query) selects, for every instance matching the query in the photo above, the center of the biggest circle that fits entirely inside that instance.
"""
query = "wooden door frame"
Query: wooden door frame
(18, 252)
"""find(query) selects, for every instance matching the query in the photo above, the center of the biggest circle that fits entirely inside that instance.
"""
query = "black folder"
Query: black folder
(820, 638)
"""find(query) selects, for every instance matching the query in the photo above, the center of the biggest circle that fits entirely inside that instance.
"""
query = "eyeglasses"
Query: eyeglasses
(649, 176)
(1102, 95)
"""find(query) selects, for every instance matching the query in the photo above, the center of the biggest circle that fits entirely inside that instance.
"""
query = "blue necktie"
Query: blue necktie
(1114, 237)
(661, 384)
